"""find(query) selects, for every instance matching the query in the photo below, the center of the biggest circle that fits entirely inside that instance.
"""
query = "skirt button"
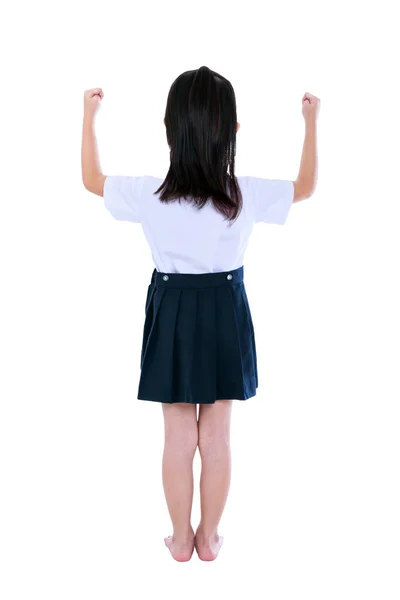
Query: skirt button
(165, 277)
(229, 276)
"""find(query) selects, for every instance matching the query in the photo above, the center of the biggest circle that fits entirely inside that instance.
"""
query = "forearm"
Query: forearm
(91, 169)
(308, 171)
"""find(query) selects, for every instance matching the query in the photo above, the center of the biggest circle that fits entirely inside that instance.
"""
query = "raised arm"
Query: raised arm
(306, 182)
(92, 176)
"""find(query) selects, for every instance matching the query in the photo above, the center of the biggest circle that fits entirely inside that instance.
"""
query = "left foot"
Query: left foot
(180, 551)
(208, 548)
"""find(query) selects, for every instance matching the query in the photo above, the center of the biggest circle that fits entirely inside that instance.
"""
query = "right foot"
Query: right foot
(207, 548)
(180, 552)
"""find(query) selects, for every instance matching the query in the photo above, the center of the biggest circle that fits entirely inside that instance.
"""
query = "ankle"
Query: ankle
(205, 534)
(184, 537)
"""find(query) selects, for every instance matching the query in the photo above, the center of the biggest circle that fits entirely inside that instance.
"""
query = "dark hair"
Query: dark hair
(200, 121)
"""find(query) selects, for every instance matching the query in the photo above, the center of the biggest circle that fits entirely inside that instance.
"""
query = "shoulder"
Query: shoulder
(264, 184)
(138, 182)
(151, 183)
(130, 187)
(124, 195)
(269, 199)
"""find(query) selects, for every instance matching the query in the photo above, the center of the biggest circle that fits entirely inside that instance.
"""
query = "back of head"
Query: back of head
(201, 121)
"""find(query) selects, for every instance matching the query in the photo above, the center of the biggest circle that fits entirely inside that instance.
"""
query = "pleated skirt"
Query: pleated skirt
(198, 339)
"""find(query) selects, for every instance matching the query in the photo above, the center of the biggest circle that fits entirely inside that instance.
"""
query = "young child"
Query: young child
(198, 344)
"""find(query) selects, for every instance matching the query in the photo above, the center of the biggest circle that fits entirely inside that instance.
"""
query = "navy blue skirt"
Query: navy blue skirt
(198, 339)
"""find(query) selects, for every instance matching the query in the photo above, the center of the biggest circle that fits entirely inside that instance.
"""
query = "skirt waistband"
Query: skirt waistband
(197, 280)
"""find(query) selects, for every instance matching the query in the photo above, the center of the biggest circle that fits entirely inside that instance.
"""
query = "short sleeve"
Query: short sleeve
(272, 199)
(122, 196)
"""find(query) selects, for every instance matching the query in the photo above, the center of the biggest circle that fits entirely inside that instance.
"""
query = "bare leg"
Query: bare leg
(181, 438)
(214, 447)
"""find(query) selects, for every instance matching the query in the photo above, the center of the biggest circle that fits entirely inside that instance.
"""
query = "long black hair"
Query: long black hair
(200, 121)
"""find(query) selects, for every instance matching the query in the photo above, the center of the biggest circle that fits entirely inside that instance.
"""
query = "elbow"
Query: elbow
(303, 189)
(310, 192)
(87, 182)
(95, 185)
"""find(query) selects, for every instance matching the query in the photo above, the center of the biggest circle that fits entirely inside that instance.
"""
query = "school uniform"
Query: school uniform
(198, 341)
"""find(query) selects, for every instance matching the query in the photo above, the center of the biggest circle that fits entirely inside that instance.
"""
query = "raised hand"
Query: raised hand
(310, 108)
(92, 99)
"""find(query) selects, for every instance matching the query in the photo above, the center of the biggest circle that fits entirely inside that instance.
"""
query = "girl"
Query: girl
(198, 342)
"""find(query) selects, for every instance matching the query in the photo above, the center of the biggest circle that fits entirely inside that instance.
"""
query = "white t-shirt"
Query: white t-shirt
(184, 239)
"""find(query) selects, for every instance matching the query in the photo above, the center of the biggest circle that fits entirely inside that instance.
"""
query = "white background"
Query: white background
(313, 506)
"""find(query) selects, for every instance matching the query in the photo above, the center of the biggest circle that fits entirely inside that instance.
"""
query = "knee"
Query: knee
(182, 441)
(213, 440)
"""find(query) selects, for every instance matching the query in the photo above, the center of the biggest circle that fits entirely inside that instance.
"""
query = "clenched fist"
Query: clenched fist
(310, 107)
(92, 99)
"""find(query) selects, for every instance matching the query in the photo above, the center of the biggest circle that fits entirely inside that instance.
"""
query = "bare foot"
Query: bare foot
(207, 549)
(180, 552)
